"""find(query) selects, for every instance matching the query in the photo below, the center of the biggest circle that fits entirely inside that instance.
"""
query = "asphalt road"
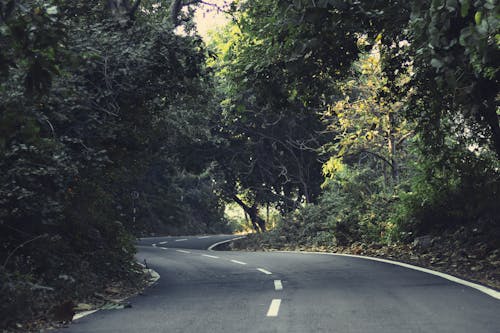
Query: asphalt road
(204, 291)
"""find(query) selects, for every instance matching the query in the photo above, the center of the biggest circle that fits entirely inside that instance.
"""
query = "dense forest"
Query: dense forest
(352, 121)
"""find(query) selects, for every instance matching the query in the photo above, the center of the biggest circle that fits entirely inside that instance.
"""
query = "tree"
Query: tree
(96, 104)
(455, 52)
(367, 122)
(276, 68)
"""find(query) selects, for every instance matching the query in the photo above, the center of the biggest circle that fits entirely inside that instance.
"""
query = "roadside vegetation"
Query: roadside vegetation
(328, 124)
(105, 121)
(387, 138)
(379, 119)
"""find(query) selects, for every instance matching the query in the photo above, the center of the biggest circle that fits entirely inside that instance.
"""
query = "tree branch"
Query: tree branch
(20, 246)
(175, 8)
(375, 155)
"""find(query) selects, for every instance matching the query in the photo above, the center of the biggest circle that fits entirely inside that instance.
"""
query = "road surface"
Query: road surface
(205, 291)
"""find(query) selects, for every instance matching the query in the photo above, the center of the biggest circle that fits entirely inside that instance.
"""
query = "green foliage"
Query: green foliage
(95, 105)
(352, 208)
(455, 193)
(395, 82)
(455, 47)
(366, 119)
(277, 69)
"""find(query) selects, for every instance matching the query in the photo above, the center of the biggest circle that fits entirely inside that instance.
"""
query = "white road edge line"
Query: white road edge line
(182, 251)
(274, 308)
(264, 271)
(210, 256)
(488, 291)
(181, 240)
(84, 314)
(238, 262)
(211, 247)
(278, 285)
(154, 278)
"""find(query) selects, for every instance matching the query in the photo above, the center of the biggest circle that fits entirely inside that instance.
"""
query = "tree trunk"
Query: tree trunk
(392, 146)
(175, 9)
(258, 223)
(487, 90)
(267, 213)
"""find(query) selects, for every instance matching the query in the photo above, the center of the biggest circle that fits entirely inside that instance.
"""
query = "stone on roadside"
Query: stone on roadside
(423, 242)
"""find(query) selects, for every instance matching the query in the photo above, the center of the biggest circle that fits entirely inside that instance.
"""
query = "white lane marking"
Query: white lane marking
(211, 247)
(264, 271)
(238, 262)
(210, 256)
(154, 244)
(181, 240)
(164, 248)
(488, 291)
(274, 308)
(278, 285)
(165, 242)
(182, 251)
(203, 237)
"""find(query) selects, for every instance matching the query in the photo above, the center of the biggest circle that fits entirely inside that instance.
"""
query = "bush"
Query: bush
(353, 207)
(460, 190)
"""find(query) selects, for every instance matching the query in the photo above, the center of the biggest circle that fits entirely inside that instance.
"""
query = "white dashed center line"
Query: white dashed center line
(165, 242)
(264, 271)
(210, 256)
(238, 262)
(274, 308)
(203, 237)
(183, 251)
(278, 285)
(154, 244)
(181, 240)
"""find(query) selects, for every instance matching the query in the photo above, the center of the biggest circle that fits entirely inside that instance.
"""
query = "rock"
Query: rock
(67, 278)
(112, 290)
(423, 242)
(63, 312)
(83, 307)
(94, 234)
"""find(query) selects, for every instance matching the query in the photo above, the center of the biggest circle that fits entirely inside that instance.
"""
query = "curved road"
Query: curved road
(205, 291)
